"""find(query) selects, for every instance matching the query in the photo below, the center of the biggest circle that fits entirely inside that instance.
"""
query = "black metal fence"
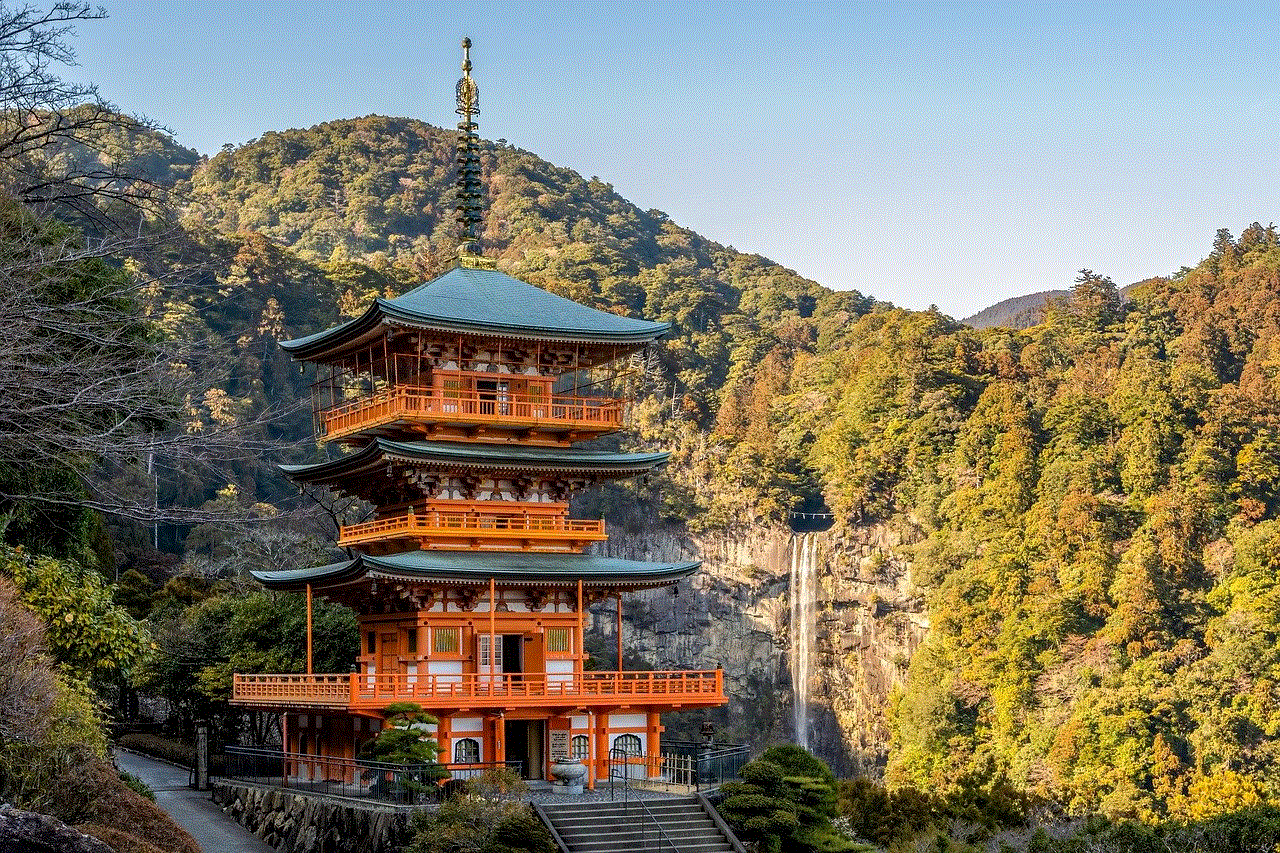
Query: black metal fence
(713, 763)
(405, 784)
(678, 766)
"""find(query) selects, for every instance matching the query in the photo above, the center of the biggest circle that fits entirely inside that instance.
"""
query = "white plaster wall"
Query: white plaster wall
(560, 670)
(446, 671)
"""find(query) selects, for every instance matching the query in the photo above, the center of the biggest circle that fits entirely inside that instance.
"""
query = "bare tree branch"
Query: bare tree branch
(95, 386)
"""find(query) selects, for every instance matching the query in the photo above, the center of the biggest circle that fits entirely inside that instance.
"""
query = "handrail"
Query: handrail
(619, 757)
(654, 820)
(547, 822)
(448, 404)
(720, 823)
(356, 689)
(444, 522)
(614, 754)
(350, 777)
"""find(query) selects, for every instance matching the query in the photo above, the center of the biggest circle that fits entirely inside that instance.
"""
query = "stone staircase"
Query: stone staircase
(667, 825)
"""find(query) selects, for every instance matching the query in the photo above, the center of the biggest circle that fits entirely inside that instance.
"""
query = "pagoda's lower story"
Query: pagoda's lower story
(492, 646)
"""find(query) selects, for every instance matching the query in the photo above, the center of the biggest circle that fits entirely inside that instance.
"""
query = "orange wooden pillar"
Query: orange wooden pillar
(653, 746)
(601, 738)
(444, 734)
(495, 749)
(308, 629)
(284, 749)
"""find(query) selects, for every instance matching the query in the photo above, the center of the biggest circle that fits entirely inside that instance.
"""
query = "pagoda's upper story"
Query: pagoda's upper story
(459, 402)
(473, 355)
(491, 305)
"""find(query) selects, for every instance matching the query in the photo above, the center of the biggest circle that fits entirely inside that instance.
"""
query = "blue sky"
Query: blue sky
(947, 153)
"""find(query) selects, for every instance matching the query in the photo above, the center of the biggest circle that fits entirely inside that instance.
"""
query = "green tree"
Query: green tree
(405, 737)
(87, 631)
(202, 647)
(785, 802)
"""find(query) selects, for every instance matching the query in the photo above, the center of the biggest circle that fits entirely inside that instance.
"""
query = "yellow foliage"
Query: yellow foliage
(1218, 793)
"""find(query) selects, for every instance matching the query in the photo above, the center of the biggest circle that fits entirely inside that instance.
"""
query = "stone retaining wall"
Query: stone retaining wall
(298, 823)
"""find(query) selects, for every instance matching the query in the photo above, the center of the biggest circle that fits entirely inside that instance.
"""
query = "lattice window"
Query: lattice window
(580, 747)
(446, 640)
(466, 751)
(482, 652)
(629, 744)
(557, 639)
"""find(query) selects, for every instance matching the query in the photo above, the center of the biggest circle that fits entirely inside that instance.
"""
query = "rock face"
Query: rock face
(28, 832)
(735, 613)
(294, 823)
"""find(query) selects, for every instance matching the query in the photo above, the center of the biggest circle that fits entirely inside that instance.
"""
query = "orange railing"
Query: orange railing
(472, 407)
(356, 690)
(480, 524)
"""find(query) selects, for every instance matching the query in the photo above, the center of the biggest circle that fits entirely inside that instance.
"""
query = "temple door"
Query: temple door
(489, 667)
(535, 658)
(388, 663)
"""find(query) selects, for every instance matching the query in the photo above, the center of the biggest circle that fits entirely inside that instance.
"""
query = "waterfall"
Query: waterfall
(804, 549)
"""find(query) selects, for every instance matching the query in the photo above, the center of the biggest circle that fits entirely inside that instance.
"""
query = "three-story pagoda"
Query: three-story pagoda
(457, 404)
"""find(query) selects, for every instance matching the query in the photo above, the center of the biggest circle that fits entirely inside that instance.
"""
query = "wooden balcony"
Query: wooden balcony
(528, 529)
(394, 410)
(672, 689)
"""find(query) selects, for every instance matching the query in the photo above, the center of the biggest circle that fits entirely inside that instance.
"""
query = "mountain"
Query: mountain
(354, 208)
(1017, 312)
(1023, 312)
(1051, 547)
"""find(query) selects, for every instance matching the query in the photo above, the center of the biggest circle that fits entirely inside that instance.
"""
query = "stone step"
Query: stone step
(624, 811)
(720, 845)
(583, 825)
(615, 827)
(691, 833)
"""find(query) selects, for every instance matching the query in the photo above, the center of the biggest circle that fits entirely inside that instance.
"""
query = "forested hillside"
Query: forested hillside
(1091, 500)
(303, 227)
(1017, 312)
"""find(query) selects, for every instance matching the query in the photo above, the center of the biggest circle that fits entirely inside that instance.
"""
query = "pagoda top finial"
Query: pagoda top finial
(468, 92)
(470, 193)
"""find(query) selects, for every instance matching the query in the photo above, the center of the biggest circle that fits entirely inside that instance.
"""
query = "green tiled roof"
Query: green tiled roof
(485, 302)
(477, 567)
(455, 454)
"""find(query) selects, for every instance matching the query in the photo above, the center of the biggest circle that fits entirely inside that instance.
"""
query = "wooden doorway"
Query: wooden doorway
(526, 743)
(512, 655)
(388, 653)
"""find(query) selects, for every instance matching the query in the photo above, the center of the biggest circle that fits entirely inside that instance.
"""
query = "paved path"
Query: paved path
(192, 809)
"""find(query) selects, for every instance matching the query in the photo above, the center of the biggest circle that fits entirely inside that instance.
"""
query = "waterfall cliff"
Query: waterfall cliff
(738, 612)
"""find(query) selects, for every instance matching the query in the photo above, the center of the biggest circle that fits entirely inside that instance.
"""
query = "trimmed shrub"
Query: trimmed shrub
(174, 751)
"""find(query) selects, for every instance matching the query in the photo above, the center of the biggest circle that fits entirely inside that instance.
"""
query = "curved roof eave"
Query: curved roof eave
(477, 567)
(511, 309)
(334, 337)
(502, 457)
(509, 330)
